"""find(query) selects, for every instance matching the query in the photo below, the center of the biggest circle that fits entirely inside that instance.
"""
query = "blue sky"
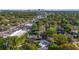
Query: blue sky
(39, 4)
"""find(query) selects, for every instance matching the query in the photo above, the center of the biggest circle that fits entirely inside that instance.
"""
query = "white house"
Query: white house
(43, 44)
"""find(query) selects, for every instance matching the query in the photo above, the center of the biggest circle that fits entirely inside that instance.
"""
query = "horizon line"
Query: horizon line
(39, 9)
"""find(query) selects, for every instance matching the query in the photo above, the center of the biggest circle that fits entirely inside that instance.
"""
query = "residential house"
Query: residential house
(43, 44)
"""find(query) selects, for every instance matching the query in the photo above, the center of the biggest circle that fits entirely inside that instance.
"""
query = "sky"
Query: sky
(39, 4)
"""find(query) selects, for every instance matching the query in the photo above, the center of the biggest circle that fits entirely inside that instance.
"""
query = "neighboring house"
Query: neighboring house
(27, 26)
(33, 20)
(70, 21)
(32, 37)
(43, 44)
(40, 16)
(60, 31)
(74, 33)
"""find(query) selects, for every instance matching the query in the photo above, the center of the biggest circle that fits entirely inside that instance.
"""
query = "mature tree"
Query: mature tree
(14, 42)
(53, 47)
(67, 46)
(29, 46)
(34, 27)
(11, 42)
(51, 31)
(67, 27)
(2, 42)
(60, 38)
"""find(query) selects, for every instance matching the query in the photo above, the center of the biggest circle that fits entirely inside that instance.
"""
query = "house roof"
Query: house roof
(28, 24)
(44, 42)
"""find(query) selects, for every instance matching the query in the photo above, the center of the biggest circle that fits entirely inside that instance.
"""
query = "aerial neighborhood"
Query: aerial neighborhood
(39, 30)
